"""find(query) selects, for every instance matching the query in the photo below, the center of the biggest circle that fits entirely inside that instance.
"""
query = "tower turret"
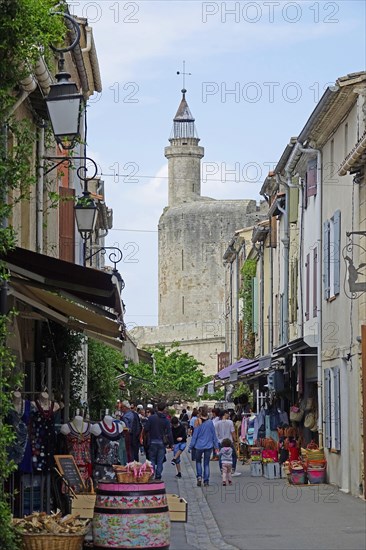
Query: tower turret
(184, 156)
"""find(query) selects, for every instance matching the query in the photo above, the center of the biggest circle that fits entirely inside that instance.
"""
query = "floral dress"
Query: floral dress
(43, 437)
(79, 446)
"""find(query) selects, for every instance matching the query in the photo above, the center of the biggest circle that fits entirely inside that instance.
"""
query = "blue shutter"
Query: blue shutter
(255, 305)
(327, 408)
(337, 250)
(337, 408)
(326, 245)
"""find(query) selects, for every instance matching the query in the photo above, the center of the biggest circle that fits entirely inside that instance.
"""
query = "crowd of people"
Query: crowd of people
(151, 431)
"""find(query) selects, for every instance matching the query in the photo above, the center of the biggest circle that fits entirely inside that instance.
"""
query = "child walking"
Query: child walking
(226, 455)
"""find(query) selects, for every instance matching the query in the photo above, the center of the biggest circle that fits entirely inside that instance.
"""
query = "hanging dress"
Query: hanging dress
(43, 437)
(20, 449)
(79, 446)
(106, 451)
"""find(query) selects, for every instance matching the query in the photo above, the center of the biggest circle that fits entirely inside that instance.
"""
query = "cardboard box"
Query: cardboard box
(177, 508)
(256, 469)
(83, 505)
(272, 470)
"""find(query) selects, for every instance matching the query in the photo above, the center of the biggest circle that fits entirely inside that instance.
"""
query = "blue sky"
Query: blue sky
(275, 57)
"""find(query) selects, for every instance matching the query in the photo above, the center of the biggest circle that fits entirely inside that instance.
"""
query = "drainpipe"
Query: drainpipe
(39, 190)
(261, 252)
(271, 301)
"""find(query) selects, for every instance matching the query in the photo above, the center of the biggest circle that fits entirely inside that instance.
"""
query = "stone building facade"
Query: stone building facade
(193, 235)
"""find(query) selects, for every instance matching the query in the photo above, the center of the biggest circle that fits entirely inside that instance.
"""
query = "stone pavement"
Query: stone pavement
(256, 513)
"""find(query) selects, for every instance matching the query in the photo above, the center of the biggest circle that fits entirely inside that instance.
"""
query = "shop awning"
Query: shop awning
(240, 366)
(290, 348)
(55, 289)
(93, 285)
(70, 313)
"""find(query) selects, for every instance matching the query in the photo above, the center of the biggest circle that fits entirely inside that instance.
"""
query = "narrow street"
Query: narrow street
(263, 514)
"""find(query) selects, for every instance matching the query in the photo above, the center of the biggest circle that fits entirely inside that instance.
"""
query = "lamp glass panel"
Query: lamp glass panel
(64, 115)
(86, 218)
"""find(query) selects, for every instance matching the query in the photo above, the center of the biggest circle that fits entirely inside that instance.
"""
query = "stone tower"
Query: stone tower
(194, 232)
(184, 155)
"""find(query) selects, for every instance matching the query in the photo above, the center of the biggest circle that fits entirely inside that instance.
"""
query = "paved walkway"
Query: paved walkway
(256, 513)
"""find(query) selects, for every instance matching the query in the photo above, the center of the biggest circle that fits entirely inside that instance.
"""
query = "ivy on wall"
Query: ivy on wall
(26, 30)
(248, 272)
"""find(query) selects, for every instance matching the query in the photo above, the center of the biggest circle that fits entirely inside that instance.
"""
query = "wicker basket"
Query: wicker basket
(125, 477)
(48, 541)
(145, 477)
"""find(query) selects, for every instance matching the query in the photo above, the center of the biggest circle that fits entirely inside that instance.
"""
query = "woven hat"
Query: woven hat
(310, 421)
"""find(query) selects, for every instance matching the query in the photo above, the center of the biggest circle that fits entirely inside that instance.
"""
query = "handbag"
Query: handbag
(310, 421)
(309, 405)
(296, 414)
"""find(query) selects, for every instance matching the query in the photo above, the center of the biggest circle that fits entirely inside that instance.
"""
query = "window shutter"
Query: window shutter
(337, 250)
(307, 288)
(255, 304)
(337, 408)
(315, 282)
(311, 177)
(66, 224)
(327, 408)
(326, 245)
(294, 204)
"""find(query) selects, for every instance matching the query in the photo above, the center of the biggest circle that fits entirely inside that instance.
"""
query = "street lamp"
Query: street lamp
(86, 213)
(64, 101)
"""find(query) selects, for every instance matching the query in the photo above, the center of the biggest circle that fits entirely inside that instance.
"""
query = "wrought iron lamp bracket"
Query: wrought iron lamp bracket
(356, 288)
(114, 257)
(79, 171)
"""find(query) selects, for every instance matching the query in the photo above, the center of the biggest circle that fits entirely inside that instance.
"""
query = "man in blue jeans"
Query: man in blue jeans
(160, 434)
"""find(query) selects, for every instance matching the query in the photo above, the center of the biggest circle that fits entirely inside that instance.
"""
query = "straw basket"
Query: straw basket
(125, 477)
(48, 541)
(145, 477)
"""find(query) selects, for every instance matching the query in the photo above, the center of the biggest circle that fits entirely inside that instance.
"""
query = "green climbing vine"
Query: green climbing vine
(26, 29)
(248, 272)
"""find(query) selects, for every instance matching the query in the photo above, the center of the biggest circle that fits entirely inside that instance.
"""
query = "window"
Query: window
(332, 408)
(331, 255)
(311, 177)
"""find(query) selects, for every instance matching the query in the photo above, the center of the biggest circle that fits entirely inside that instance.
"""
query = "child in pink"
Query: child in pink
(226, 455)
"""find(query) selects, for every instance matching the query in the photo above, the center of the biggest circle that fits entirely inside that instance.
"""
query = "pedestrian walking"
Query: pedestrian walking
(226, 458)
(225, 430)
(215, 417)
(160, 436)
(203, 441)
(132, 421)
(184, 419)
(180, 442)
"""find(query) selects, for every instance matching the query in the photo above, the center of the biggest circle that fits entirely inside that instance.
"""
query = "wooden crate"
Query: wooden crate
(177, 508)
(83, 505)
